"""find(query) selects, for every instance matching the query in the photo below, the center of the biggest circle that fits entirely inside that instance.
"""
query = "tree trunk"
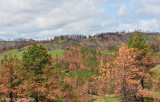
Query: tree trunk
(142, 85)
(135, 97)
(124, 94)
(142, 99)
(11, 97)
(36, 98)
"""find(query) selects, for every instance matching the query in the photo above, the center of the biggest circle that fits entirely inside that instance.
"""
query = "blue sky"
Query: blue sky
(42, 19)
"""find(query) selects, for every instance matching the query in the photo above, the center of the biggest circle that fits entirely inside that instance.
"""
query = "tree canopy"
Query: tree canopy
(9, 79)
(138, 42)
(35, 58)
(35, 62)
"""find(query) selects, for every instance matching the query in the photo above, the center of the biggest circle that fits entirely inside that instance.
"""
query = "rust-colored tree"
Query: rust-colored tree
(123, 74)
(129, 72)
(68, 93)
(82, 58)
(143, 58)
(126, 72)
(9, 77)
(49, 85)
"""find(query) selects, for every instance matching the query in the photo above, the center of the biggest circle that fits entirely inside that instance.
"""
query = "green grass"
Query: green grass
(149, 99)
(87, 39)
(113, 98)
(59, 52)
(156, 69)
(156, 53)
(83, 74)
(109, 98)
(151, 38)
(12, 53)
(51, 44)
(155, 93)
(61, 41)
(109, 53)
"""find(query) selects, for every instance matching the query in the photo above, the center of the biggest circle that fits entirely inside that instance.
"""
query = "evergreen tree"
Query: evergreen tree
(9, 79)
(35, 60)
(138, 42)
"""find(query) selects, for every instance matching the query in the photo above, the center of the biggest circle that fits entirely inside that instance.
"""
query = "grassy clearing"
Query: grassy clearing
(14, 52)
(156, 53)
(156, 69)
(61, 41)
(17, 53)
(155, 93)
(50, 44)
(109, 98)
(109, 53)
(87, 39)
(59, 52)
(83, 74)
(113, 98)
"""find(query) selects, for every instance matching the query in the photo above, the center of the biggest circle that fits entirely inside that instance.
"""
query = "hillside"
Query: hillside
(98, 41)
(84, 70)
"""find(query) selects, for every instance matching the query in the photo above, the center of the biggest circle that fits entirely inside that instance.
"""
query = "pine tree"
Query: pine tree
(143, 58)
(9, 77)
(36, 58)
(138, 42)
(50, 82)
(35, 61)
(127, 73)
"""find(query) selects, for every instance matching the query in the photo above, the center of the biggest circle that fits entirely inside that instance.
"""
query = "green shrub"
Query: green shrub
(83, 74)
(59, 52)
(59, 99)
(88, 50)
(112, 48)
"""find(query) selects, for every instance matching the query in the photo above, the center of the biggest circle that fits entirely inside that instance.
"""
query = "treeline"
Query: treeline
(19, 44)
(63, 37)
(107, 38)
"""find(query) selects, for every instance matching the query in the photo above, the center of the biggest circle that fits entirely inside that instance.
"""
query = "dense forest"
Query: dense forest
(108, 67)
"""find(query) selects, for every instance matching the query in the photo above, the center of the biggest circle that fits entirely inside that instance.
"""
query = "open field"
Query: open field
(15, 52)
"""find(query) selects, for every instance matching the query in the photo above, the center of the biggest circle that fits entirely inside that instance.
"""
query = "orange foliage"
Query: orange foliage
(126, 72)
(9, 77)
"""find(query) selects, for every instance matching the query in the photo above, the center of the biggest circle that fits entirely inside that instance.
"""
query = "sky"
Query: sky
(44, 19)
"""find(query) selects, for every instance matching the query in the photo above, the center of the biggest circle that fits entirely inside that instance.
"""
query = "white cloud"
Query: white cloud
(38, 16)
(147, 8)
(151, 25)
(122, 10)
(41, 19)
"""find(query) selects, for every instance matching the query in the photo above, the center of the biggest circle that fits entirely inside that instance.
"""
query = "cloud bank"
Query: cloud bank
(42, 19)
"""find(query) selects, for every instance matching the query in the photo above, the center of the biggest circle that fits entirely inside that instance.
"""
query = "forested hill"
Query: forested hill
(101, 68)
(98, 41)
